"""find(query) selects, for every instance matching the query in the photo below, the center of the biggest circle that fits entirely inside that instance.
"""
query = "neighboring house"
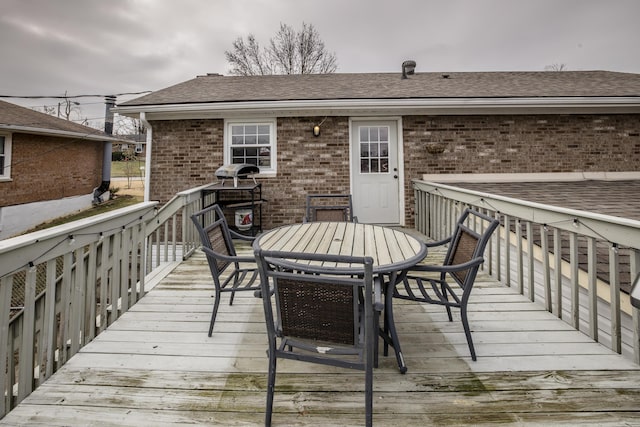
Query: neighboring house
(377, 132)
(49, 167)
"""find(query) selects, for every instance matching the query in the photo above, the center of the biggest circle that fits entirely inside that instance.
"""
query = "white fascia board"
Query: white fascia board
(346, 107)
(63, 133)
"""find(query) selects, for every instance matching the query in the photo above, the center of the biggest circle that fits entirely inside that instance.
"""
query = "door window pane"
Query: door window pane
(374, 149)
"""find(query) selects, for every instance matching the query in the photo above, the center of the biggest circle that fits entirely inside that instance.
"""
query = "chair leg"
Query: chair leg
(446, 298)
(271, 382)
(216, 304)
(369, 395)
(467, 331)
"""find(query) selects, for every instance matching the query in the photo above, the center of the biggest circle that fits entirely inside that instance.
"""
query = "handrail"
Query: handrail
(567, 246)
(62, 286)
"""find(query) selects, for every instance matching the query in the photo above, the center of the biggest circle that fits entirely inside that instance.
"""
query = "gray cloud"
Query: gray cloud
(95, 46)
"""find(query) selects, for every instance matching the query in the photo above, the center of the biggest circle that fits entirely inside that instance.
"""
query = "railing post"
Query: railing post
(575, 286)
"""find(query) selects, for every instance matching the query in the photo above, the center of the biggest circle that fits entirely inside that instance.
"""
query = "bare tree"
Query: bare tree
(556, 67)
(288, 52)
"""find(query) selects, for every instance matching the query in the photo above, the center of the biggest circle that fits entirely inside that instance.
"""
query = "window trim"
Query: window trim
(271, 122)
(5, 174)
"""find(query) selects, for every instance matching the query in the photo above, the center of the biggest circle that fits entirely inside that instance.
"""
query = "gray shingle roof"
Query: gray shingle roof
(12, 115)
(217, 88)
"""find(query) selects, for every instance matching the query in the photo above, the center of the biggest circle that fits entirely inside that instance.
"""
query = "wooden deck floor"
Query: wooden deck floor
(156, 366)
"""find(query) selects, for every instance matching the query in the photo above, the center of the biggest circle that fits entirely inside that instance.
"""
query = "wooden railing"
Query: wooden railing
(61, 287)
(578, 264)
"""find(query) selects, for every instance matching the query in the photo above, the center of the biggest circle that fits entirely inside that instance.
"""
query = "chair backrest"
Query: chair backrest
(467, 243)
(214, 234)
(315, 300)
(329, 207)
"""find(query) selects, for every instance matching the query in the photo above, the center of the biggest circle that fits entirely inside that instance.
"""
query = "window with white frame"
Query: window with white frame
(252, 142)
(5, 156)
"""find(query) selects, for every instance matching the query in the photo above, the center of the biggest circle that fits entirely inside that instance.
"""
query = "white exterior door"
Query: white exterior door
(375, 171)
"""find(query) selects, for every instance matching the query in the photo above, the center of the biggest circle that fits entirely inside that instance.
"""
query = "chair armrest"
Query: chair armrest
(378, 304)
(447, 268)
(438, 243)
(239, 236)
(227, 257)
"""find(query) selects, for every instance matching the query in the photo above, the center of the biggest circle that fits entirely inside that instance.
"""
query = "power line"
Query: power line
(72, 96)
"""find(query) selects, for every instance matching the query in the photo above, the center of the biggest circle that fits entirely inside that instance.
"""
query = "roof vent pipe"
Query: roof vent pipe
(408, 68)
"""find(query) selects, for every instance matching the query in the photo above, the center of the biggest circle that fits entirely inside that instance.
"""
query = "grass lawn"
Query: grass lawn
(127, 169)
(120, 201)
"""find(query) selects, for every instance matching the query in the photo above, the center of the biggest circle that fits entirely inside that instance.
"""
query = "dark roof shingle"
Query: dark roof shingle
(217, 88)
(16, 115)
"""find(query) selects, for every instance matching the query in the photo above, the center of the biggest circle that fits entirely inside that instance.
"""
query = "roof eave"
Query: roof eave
(348, 107)
(62, 133)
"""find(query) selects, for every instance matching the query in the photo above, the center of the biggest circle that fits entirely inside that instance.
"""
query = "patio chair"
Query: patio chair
(230, 272)
(322, 314)
(461, 263)
(329, 207)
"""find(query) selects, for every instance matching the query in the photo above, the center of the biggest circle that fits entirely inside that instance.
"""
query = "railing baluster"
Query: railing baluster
(614, 288)
(593, 287)
(519, 259)
(575, 286)
(25, 378)
(557, 269)
(48, 335)
(507, 249)
(546, 273)
(531, 257)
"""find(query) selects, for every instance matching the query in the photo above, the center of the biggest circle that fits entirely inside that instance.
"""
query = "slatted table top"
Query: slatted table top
(391, 249)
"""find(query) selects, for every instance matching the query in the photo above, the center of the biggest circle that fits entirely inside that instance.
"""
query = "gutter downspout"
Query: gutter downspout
(110, 102)
(147, 157)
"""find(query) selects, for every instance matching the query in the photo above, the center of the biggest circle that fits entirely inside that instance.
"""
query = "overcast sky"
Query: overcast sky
(50, 47)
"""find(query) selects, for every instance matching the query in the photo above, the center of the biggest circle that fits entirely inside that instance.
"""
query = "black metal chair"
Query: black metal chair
(217, 244)
(461, 263)
(323, 314)
(329, 207)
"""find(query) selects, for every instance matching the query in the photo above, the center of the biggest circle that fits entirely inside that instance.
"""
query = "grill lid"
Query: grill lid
(241, 170)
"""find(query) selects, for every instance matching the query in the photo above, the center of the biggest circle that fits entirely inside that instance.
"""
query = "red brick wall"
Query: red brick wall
(48, 168)
(518, 144)
(187, 153)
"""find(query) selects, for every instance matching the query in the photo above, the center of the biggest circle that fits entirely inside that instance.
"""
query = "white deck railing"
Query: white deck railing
(578, 264)
(61, 287)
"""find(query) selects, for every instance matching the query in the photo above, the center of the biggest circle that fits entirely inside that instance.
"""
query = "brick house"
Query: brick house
(377, 132)
(49, 167)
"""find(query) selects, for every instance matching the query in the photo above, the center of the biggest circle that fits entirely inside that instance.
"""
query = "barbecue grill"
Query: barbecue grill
(237, 171)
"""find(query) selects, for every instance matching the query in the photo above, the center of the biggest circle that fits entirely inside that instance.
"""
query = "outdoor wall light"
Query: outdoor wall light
(408, 68)
(316, 130)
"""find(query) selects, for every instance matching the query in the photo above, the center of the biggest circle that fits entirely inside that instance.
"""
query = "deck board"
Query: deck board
(156, 366)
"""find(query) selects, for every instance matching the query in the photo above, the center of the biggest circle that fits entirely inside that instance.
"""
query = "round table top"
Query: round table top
(391, 249)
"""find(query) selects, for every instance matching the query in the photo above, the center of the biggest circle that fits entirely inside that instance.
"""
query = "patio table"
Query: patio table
(393, 252)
